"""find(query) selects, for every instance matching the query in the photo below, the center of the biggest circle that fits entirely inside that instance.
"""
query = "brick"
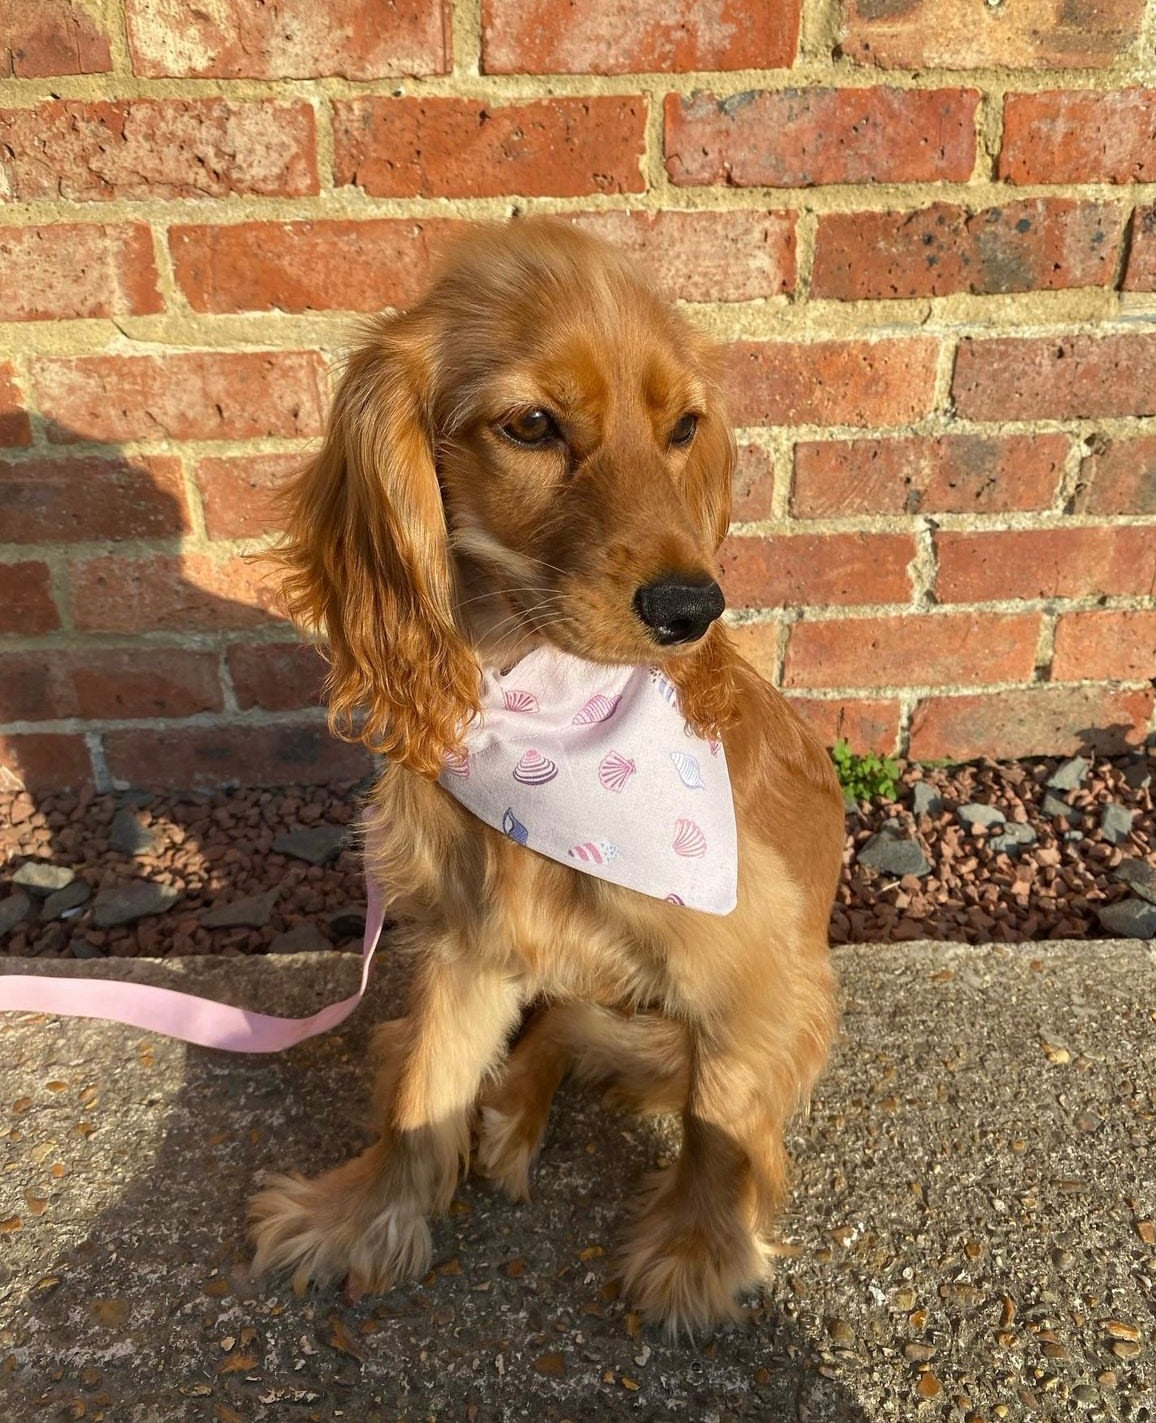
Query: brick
(955, 474)
(276, 676)
(754, 484)
(294, 39)
(1079, 136)
(41, 38)
(238, 493)
(202, 757)
(107, 683)
(157, 148)
(185, 395)
(803, 137)
(194, 593)
(692, 254)
(1045, 563)
(1119, 477)
(15, 427)
(77, 270)
(759, 644)
(44, 761)
(1038, 721)
(1055, 377)
(441, 148)
(606, 37)
(305, 266)
(1041, 244)
(1140, 272)
(866, 383)
(794, 570)
(53, 501)
(1105, 646)
(910, 651)
(26, 602)
(974, 34)
(866, 724)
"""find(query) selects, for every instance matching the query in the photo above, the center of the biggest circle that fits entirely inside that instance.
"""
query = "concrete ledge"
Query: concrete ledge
(974, 1197)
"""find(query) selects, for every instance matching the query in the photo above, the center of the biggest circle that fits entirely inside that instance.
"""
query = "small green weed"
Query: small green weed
(865, 777)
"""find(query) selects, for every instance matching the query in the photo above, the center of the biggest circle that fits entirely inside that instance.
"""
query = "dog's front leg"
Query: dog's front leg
(702, 1231)
(367, 1219)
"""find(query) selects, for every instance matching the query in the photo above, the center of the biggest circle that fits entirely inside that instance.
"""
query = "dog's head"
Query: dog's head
(538, 451)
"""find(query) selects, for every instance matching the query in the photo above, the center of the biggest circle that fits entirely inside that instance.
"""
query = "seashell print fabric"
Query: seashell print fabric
(595, 767)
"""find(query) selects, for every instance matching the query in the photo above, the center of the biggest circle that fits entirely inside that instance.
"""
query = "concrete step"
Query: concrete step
(971, 1224)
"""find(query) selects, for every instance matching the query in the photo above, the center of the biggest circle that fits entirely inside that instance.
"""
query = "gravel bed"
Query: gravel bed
(989, 852)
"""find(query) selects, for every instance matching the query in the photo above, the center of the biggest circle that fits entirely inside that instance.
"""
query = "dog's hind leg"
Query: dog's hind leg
(642, 1057)
(367, 1219)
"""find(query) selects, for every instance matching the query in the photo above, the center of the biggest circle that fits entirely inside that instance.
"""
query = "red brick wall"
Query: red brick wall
(926, 230)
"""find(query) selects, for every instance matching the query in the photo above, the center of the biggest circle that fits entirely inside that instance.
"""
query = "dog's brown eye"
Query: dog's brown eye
(531, 427)
(683, 432)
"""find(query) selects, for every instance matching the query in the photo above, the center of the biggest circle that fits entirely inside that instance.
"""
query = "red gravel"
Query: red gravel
(217, 847)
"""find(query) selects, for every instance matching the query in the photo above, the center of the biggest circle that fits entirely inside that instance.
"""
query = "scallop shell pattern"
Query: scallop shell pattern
(514, 828)
(689, 771)
(598, 708)
(674, 899)
(594, 852)
(516, 701)
(689, 841)
(534, 769)
(614, 770)
(458, 764)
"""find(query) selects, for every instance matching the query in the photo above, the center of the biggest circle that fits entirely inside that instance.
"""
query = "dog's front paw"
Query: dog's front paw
(332, 1228)
(683, 1273)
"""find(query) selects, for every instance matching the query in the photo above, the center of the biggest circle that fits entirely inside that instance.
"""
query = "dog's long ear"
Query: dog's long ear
(367, 558)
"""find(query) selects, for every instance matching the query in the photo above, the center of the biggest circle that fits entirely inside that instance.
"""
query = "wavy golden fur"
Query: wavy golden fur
(511, 462)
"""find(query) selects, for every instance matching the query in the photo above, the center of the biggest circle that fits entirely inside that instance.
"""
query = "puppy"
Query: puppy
(536, 460)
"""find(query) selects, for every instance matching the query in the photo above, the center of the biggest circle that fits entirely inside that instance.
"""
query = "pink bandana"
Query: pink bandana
(595, 767)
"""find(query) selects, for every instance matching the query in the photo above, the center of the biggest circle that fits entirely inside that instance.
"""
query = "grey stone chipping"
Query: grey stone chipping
(72, 896)
(317, 845)
(1013, 837)
(14, 910)
(126, 903)
(1070, 775)
(1138, 775)
(1054, 806)
(1129, 918)
(130, 836)
(925, 799)
(301, 939)
(893, 854)
(1140, 875)
(1116, 824)
(41, 879)
(975, 814)
(252, 912)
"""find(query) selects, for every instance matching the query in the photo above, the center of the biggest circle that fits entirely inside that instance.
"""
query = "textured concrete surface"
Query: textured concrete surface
(972, 1231)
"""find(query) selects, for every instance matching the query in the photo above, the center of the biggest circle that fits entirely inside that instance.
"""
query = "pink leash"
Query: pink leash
(184, 1015)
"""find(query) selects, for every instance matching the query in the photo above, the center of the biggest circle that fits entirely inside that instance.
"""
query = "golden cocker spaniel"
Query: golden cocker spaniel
(538, 454)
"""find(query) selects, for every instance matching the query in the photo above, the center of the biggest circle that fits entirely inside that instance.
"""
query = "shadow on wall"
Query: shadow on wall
(142, 669)
(142, 648)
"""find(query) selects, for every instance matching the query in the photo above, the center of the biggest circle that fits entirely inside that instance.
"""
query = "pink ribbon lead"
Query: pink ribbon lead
(184, 1015)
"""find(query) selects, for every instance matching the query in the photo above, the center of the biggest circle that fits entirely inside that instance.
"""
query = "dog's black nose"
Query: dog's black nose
(679, 609)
